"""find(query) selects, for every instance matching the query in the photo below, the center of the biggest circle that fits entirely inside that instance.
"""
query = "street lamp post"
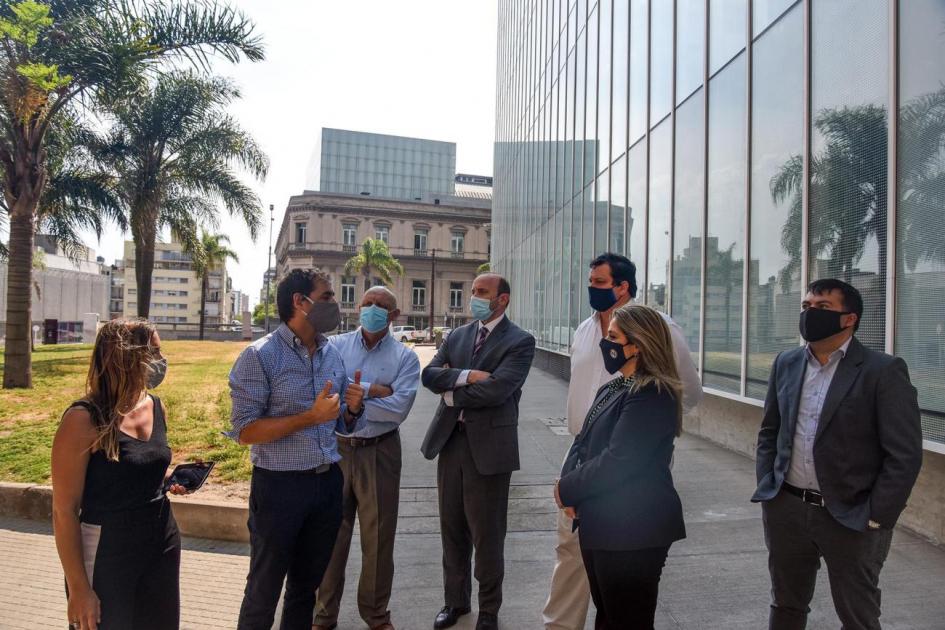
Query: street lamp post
(272, 219)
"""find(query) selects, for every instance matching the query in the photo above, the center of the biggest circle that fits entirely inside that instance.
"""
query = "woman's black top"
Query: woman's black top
(135, 481)
(617, 473)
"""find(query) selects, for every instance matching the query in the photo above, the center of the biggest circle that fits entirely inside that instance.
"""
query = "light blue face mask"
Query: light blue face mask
(374, 318)
(481, 308)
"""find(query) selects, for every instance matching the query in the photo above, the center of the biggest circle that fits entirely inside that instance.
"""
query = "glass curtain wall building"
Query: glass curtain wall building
(734, 150)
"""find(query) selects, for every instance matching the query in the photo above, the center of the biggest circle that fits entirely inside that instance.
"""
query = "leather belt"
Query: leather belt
(807, 496)
(357, 442)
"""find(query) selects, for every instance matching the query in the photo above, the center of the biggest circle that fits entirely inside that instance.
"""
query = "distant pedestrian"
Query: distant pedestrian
(115, 533)
(290, 394)
(616, 482)
(371, 461)
(839, 450)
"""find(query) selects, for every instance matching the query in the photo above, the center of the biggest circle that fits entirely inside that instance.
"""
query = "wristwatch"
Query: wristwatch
(873, 524)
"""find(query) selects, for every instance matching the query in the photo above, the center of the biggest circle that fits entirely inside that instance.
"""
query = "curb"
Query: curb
(199, 519)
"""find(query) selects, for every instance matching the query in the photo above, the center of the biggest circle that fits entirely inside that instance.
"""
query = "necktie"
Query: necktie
(481, 339)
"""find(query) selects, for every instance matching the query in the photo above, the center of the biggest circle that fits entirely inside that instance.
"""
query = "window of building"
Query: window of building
(349, 235)
(456, 296)
(420, 240)
(347, 291)
(457, 242)
(382, 233)
(419, 294)
(300, 232)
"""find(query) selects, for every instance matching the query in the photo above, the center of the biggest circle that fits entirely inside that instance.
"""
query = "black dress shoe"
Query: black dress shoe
(487, 621)
(448, 616)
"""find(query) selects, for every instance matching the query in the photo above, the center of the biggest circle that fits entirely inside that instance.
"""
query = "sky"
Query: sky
(423, 68)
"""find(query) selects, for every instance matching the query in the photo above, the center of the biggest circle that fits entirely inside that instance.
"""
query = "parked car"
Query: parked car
(407, 333)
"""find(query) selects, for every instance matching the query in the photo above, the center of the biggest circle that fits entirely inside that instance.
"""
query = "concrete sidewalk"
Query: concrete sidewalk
(715, 579)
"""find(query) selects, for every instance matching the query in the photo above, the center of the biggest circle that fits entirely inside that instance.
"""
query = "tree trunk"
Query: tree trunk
(18, 371)
(145, 236)
(203, 302)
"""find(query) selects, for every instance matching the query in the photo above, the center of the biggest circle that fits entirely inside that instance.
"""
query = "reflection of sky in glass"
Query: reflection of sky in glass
(726, 31)
(636, 210)
(661, 60)
(764, 12)
(726, 192)
(621, 38)
(658, 228)
(690, 46)
(603, 91)
(777, 134)
(638, 68)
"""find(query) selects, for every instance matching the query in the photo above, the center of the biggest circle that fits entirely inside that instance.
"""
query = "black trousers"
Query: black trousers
(624, 586)
(798, 535)
(134, 559)
(293, 522)
(473, 515)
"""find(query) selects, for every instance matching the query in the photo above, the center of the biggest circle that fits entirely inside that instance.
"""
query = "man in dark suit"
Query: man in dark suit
(479, 371)
(839, 450)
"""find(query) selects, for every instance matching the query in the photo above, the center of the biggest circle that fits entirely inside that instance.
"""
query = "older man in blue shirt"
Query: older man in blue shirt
(371, 461)
(287, 391)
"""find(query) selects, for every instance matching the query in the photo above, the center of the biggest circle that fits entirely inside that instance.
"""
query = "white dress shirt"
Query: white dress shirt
(588, 373)
(463, 379)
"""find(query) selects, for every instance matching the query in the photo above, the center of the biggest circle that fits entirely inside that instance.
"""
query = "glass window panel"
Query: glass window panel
(661, 60)
(690, 46)
(727, 31)
(603, 90)
(578, 276)
(638, 68)
(621, 77)
(592, 147)
(658, 226)
(635, 224)
(849, 91)
(920, 320)
(569, 129)
(602, 214)
(688, 206)
(580, 101)
(617, 204)
(725, 230)
(777, 143)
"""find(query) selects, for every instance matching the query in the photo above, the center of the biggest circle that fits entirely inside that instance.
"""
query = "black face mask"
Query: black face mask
(601, 299)
(819, 323)
(614, 358)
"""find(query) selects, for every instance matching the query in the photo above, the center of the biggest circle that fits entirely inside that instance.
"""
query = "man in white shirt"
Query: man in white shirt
(611, 284)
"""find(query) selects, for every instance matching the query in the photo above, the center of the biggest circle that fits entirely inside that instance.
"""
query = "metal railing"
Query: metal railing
(398, 252)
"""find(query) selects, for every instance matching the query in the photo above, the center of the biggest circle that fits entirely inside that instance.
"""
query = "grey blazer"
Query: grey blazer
(490, 407)
(868, 447)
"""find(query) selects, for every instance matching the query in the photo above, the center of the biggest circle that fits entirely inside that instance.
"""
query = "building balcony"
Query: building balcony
(459, 255)
(456, 309)
(312, 248)
(349, 249)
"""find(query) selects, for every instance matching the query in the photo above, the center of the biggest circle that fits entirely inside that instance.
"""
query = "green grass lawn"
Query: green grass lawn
(195, 395)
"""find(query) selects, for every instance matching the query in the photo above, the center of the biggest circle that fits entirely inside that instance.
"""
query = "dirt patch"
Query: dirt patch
(234, 492)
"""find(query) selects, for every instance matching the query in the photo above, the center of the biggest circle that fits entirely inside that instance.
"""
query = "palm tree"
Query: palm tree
(210, 254)
(175, 151)
(82, 54)
(484, 268)
(374, 259)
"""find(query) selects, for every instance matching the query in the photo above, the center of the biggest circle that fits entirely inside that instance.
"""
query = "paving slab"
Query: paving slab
(715, 579)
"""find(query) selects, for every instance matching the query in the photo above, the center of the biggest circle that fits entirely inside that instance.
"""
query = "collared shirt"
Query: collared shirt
(588, 373)
(275, 377)
(817, 379)
(463, 379)
(389, 363)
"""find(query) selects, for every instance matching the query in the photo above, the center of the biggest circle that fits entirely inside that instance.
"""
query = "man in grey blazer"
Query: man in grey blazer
(839, 450)
(479, 372)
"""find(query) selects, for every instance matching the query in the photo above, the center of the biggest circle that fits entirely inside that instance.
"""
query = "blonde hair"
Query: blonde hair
(121, 366)
(656, 363)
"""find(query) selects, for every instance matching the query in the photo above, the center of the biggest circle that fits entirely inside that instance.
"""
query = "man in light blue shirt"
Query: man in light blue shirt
(389, 374)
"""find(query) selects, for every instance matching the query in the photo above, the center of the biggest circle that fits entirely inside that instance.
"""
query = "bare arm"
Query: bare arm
(70, 459)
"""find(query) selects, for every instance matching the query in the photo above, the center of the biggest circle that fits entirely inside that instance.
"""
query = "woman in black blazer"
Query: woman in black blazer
(616, 478)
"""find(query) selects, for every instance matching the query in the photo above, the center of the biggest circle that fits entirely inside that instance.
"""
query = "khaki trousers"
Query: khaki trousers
(570, 596)
(372, 493)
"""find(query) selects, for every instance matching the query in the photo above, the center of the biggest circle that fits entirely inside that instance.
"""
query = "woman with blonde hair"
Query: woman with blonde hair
(115, 533)
(616, 481)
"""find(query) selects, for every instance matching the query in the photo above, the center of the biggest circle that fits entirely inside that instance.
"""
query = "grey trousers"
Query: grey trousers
(372, 493)
(473, 515)
(798, 535)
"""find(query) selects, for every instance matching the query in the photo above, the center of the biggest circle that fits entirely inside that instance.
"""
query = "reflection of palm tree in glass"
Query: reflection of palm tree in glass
(727, 270)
